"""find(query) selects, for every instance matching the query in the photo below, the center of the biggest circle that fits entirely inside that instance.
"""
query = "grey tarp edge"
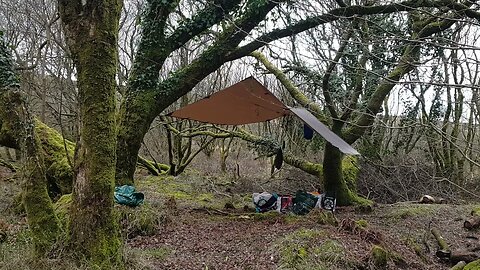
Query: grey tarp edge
(324, 131)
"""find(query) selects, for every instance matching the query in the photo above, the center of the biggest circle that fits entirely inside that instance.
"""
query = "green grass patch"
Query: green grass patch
(475, 211)
(190, 192)
(309, 249)
(361, 223)
(271, 215)
(142, 220)
(17, 251)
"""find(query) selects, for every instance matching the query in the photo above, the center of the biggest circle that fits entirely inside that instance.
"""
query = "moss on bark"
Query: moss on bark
(57, 153)
(62, 209)
(475, 211)
(306, 166)
(41, 218)
(92, 33)
(340, 175)
(18, 123)
(134, 120)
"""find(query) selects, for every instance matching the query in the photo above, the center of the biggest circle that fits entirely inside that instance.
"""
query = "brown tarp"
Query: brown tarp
(249, 102)
(245, 102)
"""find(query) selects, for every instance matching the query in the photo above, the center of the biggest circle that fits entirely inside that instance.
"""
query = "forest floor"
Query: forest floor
(188, 222)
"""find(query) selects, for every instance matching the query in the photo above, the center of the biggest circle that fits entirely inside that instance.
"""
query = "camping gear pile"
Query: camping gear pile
(301, 204)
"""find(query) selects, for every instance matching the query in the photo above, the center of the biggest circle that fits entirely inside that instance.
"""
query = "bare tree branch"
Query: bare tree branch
(341, 13)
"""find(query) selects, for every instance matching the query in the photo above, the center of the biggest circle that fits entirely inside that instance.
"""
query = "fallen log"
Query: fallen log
(474, 221)
(427, 199)
(459, 266)
(473, 265)
(444, 251)
(463, 255)
(454, 256)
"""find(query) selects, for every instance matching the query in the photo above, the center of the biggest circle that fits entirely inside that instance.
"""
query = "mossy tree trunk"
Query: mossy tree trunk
(18, 123)
(333, 181)
(57, 155)
(335, 176)
(91, 28)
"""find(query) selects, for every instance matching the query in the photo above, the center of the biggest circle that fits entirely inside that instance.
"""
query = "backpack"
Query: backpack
(303, 202)
(264, 201)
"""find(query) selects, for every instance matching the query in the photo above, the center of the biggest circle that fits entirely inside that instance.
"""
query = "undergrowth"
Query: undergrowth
(308, 249)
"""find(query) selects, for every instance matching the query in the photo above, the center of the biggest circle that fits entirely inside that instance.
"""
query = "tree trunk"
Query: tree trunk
(224, 152)
(56, 155)
(92, 32)
(41, 218)
(136, 114)
(333, 179)
(459, 266)
(18, 123)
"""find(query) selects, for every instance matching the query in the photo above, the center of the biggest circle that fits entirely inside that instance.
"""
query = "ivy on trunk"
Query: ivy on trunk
(18, 124)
